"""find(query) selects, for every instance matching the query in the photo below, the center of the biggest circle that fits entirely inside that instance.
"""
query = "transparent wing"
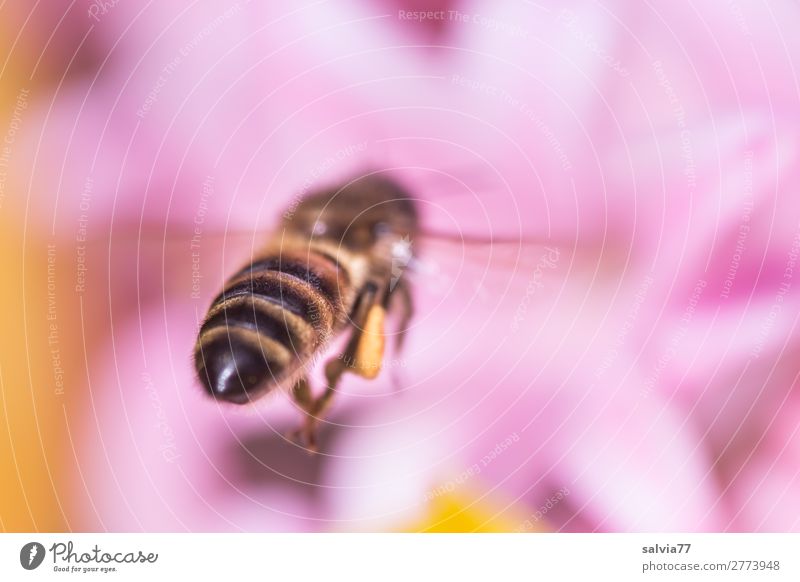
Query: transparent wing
(439, 259)
(445, 263)
(193, 263)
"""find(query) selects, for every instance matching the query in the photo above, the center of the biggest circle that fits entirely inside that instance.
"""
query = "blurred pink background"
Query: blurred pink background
(631, 365)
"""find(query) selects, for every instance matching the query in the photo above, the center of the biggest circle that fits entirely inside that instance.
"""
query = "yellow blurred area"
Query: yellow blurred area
(461, 512)
(32, 440)
(30, 456)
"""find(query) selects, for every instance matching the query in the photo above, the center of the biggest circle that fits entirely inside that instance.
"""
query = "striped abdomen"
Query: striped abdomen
(269, 321)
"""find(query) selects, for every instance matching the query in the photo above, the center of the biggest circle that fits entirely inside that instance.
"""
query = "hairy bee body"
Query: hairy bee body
(329, 268)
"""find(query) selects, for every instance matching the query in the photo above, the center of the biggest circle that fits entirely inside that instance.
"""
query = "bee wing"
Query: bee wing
(156, 265)
(477, 269)
(444, 272)
(199, 261)
(483, 266)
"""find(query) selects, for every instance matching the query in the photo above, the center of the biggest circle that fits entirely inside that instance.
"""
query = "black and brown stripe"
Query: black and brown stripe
(270, 319)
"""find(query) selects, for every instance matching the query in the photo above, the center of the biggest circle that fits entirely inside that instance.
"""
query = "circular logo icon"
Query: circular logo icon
(31, 555)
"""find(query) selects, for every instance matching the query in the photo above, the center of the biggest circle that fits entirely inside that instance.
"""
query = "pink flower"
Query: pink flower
(640, 370)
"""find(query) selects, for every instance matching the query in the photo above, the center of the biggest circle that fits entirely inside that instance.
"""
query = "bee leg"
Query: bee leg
(301, 394)
(334, 370)
(402, 295)
(362, 356)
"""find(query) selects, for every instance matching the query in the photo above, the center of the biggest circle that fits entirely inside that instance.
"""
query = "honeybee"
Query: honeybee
(333, 267)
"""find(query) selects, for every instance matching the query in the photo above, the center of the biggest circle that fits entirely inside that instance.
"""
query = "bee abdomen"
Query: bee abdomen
(271, 317)
(311, 286)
